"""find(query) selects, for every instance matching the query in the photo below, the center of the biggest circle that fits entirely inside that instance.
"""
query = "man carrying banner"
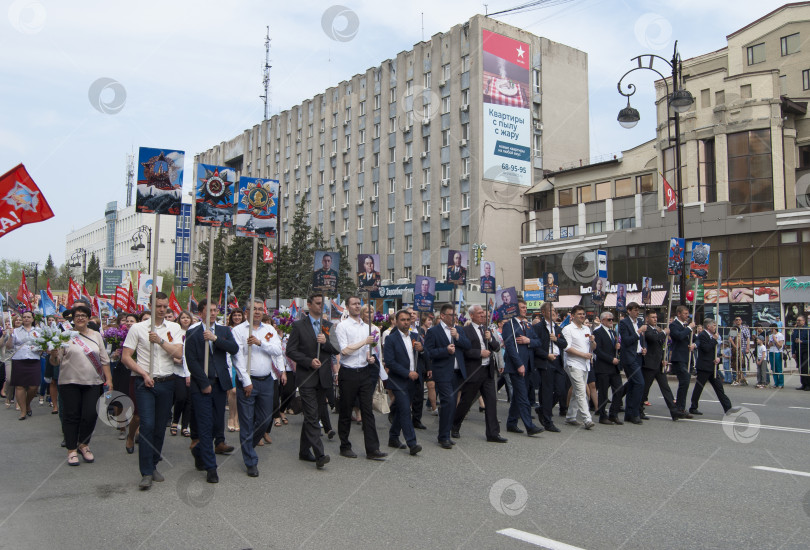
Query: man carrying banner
(680, 331)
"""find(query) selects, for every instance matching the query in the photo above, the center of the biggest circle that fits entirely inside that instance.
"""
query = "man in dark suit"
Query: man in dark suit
(680, 331)
(313, 375)
(481, 372)
(399, 354)
(548, 362)
(631, 333)
(519, 342)
(707, 366)
(418, 397)
(607, 372)
(652, 366)
(209, 390)
(445, 343)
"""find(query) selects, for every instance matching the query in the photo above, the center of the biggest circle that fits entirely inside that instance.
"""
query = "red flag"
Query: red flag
(94, 309)
(97, 293)
(264, 305)
(48, 291)
(132, 307)
(21, 201)
(670, 198)
(267, 255)
(174, 305)
(22, 292)
(120, 297)
(219, 302)
(86, 294)
(73, 292)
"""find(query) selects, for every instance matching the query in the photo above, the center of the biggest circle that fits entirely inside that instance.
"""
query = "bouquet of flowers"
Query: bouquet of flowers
(49, 339)
(382, 321)
(376, 338)
(115, 336)
(283, 321)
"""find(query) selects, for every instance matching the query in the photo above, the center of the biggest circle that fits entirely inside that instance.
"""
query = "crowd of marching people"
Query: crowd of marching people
(203, 375)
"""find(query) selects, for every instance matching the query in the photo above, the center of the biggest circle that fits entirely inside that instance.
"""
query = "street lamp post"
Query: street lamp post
(74, 261)
(679, 101)
(143, 232)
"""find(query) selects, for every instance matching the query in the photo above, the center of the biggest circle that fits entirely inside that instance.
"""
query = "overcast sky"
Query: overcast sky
(188, 75)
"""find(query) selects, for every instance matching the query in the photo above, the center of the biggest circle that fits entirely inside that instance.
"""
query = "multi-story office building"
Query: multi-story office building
(745, 169)
(430, 151)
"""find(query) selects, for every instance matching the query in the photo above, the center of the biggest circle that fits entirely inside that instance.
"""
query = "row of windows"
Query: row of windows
(622, 187)
(568, 231)
(788, 45)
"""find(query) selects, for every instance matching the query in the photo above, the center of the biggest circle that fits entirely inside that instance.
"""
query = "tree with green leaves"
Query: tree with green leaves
(93, 275)
(237, 263)
(201, 267)
(48, 273)
(62, 280)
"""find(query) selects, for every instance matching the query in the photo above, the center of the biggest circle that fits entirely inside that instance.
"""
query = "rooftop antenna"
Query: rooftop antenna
(266, 75)
(486, 9)
(130, 177)
(423, 26)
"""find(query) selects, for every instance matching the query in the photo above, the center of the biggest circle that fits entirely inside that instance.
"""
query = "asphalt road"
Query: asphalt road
(686, 484)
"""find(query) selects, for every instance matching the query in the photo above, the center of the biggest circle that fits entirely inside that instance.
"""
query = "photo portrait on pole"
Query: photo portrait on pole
(213, 195)
(160, 181)
(506, 305)
(550, 287)
(599, 291)
(257, 208)
(424, 292)
(676, 256)
(487, 278)
(324, 279)
(699, 266)
(621, 297)
(368, 272)
(457, 267)
(646, 290)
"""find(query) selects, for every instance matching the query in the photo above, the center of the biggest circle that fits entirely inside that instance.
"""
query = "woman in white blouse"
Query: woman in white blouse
(26, 373)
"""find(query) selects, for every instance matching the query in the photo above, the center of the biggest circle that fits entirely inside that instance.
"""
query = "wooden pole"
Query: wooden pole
(252, 296)
(204, 316)
(155, 251)
(669, 312)
(692, 336)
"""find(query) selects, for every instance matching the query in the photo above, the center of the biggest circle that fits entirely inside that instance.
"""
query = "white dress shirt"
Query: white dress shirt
(20, 341)
(479, 330)
(350, 332)
(450, 339)
(577, 339)
(406, 339)
(138, 339)
(265, 359)
(553, 348)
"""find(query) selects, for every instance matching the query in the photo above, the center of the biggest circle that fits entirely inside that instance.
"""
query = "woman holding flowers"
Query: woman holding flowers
(83, 367)
(25, 368)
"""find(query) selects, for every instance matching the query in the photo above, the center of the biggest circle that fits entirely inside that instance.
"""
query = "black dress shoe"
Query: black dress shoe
(211, 476)
(322, 461)
(348, 453)
(396, 444)
(252, 471)
(418, 425)
(552, 428)
(331, 434)
(377, 455)
(534, 430)
(606, 421)
(198, 461)
(634, 420)
(616, 420)
(563, 412)
(481, 409)
(307, 457)
(497, 439)
(643, 416)
(454, 434)
(445, 444)
(415, 450)
(695, 411)
(514, 429)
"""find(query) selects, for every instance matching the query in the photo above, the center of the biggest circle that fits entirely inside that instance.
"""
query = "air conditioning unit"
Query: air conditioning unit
(538, 126)
(345, 151)
(425, 121)
(332, 209)
(442, 83)
(298, 140)
(445, 182)
(465, 108)
(462, 143)
(286, 195)
(406, 128)
(297, 167)
(407, 158)
(359, 202)
(465, 177)
(444, 244)
(331, 182)
(278, 151)
(309, 163)
(346, 122)
(333, 154)
(345, 178)
(345, 205)
(423, 154)
(372, 200)
(423, 187)
(445, 215)
(425, 218)
(286, 170)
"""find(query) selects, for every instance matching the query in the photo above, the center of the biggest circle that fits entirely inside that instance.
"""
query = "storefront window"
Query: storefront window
(750, 182)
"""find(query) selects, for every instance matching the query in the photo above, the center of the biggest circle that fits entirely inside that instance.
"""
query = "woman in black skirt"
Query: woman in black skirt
(25, 364)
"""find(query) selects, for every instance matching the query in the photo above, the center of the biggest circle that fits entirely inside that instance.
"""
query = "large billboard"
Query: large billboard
(507, 109)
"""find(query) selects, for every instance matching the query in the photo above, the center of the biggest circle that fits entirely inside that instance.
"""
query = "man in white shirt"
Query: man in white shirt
(254, 392)
(578, 356)
(357, 378)
(154, 385)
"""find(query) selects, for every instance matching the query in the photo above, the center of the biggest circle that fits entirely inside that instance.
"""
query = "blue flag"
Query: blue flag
(46, 304)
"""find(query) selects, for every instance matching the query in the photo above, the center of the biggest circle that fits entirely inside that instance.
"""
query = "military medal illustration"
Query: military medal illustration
(258, 197)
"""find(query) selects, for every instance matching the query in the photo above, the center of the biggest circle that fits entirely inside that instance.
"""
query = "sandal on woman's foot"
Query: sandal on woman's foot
(260, 443)
(231, 428)
(73, 458)
(122, 435)
(267, 438)
(277, 423)
(186, 432)
(173, 429)
(55, 412)
(87, 455)
(284, 420)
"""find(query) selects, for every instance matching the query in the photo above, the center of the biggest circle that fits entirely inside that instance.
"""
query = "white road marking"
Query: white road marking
(732, 423)
(754, 404)
(802, 408)
(537, 540)
(781, 471)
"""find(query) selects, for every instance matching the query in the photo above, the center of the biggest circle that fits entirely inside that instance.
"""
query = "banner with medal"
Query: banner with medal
(257, 208)
(160, 181)
(213, 195)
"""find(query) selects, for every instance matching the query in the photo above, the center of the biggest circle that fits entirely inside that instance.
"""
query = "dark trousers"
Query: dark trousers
(78, 413)
(680, 370)
(255, 414)
(479, 381)
(182, 402)
(155, 409)
(803, 363)
(604, 382)
(716, 383)
(207, 408)
(323, 408)
(219, 423)
(519, 408)
(663, 385)
(445, 388)
(634, 388)
(402, 422)
(552, 391)
(358, 383)
(312, 398)
(418, 399)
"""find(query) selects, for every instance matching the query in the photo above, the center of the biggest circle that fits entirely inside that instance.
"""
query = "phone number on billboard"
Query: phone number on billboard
(513, 168)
